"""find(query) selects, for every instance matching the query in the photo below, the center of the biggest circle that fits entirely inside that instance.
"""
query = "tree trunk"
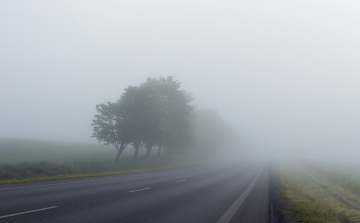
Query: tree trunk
(122, 147)
(136, 153)
(159, 151)
(118, 155)
(148, 150)
(137, 145)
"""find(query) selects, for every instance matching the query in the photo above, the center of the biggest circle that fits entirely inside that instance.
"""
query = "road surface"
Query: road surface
(230, 192)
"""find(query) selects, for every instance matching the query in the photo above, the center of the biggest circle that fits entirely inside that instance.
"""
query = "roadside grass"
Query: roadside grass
(310, 202)
(44, 171)
(32, 160)
(340, 181)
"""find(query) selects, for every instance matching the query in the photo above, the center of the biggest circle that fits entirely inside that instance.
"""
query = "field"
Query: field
(30, 161)
(14, 151)
(345, 169)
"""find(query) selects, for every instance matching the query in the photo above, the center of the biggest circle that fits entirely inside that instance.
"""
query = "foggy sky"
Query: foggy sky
(286, 74)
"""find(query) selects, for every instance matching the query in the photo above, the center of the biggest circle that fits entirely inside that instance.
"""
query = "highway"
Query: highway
(212, 192)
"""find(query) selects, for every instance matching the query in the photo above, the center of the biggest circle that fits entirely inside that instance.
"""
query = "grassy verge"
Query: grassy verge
(33, 160)
(341, 181)
(310, 202)
(72, 176)
(44, 171)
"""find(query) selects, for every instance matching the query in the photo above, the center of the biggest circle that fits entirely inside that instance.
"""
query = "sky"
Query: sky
(285, 74)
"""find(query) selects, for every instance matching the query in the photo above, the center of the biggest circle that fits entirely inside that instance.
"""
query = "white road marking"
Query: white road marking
(202, 176)
(180, 181)
(236, 205)
(26, 212)
(139, 189)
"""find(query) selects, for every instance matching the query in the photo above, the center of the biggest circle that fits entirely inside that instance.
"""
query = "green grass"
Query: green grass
(19, 151)
(43, 171)
(304, 202)
(309, 201)
(343, 174)
(31, 161)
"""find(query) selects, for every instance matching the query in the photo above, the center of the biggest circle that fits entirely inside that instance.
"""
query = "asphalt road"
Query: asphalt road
(231, 192)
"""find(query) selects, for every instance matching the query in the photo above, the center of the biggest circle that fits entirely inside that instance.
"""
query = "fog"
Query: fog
(285, 74)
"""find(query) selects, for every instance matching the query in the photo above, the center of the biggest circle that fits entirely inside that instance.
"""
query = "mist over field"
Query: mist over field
(284, 74)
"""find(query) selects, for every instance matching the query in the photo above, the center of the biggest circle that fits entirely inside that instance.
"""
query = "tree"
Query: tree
(178, 135)
(212, 132)
(131, 103)
(156, 113)
(145, 115)
(109, 127)
(137, 145)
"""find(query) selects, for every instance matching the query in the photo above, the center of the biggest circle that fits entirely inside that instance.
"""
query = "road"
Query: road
(227, 192)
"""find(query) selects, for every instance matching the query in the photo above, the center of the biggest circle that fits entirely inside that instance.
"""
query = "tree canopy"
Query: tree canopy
(156, 113)
(211, 131)
(110, 127)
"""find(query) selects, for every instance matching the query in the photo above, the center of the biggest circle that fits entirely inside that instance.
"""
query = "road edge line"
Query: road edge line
(236, 205)
(27, 212)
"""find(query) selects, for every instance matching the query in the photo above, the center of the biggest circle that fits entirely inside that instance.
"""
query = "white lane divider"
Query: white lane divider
(236, 205)
(202, 176)
(139, 189)
(27, 212)
(180, 181)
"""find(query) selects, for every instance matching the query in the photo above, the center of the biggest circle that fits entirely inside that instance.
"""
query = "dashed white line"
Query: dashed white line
(27, 212)
(180, 181)
(139, 189)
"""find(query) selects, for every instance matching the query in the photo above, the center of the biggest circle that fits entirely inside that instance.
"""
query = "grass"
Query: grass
(19, 151)
(342, 168)
(340, 181)
(310, 202)
(36, 172)
(31, 161)
(343, 175)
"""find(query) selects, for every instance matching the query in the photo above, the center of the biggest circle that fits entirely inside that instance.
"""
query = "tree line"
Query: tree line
(158, 114)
